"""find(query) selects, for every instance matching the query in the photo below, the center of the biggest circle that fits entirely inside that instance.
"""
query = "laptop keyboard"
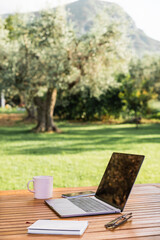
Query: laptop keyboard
(89, 204)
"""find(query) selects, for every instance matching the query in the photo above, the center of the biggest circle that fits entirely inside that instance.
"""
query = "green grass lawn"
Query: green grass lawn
(76, 157)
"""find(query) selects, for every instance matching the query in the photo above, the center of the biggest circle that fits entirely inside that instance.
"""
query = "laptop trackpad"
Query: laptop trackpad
(64, 207)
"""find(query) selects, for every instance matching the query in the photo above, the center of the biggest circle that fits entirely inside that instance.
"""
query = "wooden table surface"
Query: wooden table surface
(17, 207)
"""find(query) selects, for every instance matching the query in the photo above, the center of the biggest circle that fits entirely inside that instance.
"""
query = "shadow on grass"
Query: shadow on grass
(77, 138)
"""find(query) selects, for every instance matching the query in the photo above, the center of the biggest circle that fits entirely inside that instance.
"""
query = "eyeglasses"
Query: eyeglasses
(118, 221)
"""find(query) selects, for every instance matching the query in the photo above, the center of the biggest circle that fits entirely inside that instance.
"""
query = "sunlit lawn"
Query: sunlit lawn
(78, 156)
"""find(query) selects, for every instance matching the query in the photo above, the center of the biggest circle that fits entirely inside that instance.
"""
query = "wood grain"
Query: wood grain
(18, 210)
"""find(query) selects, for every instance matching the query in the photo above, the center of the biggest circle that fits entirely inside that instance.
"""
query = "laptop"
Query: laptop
(112, 193)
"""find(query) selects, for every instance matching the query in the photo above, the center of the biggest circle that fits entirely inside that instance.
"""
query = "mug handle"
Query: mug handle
(28, 186)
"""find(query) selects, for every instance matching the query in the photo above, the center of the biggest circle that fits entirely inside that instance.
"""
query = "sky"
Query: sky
(145, 13)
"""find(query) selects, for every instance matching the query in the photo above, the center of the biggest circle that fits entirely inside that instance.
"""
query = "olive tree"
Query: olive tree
(48, 57)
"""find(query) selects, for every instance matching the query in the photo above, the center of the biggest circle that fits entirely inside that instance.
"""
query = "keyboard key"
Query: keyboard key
(89, 204)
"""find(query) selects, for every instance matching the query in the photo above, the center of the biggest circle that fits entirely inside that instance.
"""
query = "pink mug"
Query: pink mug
(43, 187)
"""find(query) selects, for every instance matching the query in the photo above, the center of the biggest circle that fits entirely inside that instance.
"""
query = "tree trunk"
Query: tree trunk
(45, 109)
(31, 113)
(50, 103)
(2, 99)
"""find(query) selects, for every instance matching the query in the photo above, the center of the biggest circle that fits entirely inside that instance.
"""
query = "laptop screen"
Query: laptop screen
(119, 178)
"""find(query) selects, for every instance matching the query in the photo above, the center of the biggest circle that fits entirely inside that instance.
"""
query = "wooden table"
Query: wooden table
(18, 207)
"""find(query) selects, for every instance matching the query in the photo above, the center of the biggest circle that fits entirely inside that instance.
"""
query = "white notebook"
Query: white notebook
(59, 227)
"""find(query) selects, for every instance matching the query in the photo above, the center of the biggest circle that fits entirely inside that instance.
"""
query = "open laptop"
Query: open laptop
(112, 193)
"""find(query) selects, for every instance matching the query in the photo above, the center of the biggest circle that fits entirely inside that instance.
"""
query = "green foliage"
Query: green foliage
(46, 54)
(155, 75)
(50, 39)
(130, 96)
(43, 52)
(3, 50)
(154, 107)
(137, 87)
(82, 106)
(38, 57)
(134, 98)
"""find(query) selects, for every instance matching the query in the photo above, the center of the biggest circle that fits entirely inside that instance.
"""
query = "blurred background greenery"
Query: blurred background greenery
(93, 77)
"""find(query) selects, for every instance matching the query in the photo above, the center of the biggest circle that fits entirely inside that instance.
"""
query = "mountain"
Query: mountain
(83, 12)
